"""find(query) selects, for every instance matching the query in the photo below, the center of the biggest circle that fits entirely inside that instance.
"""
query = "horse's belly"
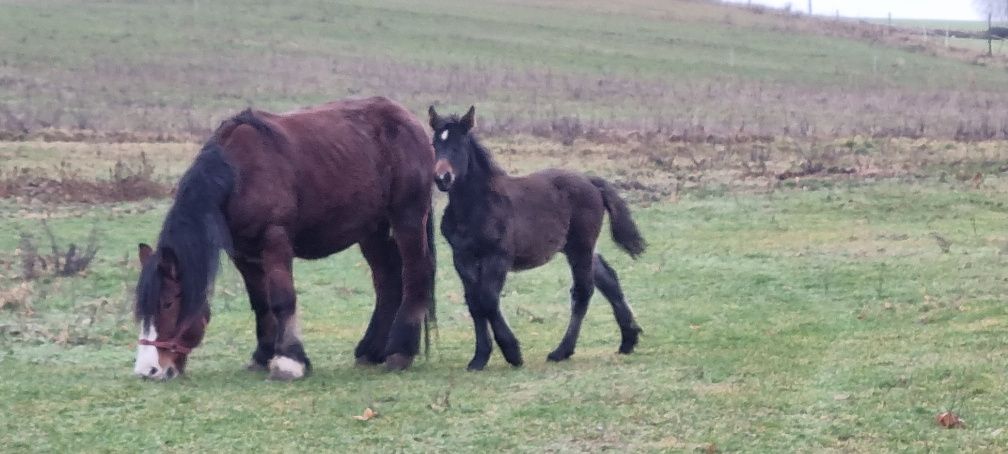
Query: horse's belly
(336, 232)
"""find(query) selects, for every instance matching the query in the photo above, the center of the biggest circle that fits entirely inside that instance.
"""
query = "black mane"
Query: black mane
(482, 157)
(195, 230)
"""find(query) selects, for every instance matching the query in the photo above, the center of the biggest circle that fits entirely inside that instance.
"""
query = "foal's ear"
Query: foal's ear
(169, 263)
(435, 120)
(144, 251)
(469, 119)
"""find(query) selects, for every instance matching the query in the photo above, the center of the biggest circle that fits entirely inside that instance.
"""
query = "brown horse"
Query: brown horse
(268, 188)
(496, 223)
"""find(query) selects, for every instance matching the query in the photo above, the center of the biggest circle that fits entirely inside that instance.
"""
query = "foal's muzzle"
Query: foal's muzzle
(444, 181)
(444, 175)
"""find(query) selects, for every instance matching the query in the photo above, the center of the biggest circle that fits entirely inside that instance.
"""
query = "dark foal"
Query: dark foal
(496, 223)
(269, 188)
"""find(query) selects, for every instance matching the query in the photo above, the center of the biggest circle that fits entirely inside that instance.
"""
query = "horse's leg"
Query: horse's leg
(255, 285)
(580, 261)
(481, 323)
(289, 361)
(382, 256)
(493, 273)
(608, 283)
(409, 231)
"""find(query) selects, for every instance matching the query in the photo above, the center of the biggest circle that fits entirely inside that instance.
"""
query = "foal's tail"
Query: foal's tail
(624, 230)
(430, 318)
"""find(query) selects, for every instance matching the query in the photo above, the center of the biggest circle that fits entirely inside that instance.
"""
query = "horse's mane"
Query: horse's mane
(195, 229)
(483, 158)
(481, 155)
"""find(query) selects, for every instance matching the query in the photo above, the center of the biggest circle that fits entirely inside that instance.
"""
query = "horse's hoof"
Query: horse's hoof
(398, 361)
(254, 366)
(476, 365)
(513, 356)
(627, 348)
(557, 356)
(282, 368)
(366, 361)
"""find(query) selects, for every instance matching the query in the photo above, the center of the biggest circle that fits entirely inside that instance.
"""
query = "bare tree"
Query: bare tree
(996, 9)
(993, 9)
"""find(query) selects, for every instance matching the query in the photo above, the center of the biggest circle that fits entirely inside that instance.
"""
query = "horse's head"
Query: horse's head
(451, 146)
(168, 332)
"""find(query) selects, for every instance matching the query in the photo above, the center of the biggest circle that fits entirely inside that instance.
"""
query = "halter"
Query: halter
(175, 344)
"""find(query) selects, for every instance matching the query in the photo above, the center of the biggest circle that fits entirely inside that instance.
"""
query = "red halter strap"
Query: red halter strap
(175, 344)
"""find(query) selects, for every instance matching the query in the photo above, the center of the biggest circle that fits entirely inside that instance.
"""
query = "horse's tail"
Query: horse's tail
(430, 318)
(624, 230)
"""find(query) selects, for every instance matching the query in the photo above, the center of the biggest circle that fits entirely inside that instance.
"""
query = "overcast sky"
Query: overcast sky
(903, 9)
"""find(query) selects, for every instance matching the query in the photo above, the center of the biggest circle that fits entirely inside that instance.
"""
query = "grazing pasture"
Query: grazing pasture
(841, 314)
(826, 216)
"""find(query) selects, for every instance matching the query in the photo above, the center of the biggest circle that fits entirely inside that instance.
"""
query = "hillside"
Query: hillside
(681, 68)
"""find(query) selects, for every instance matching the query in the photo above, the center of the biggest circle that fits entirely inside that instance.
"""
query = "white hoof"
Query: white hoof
(284, 368)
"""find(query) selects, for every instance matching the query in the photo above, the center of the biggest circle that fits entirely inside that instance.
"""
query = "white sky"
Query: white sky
(900, 9)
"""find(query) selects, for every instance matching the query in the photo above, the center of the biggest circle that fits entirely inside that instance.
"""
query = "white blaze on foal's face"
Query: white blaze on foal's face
(444, 135)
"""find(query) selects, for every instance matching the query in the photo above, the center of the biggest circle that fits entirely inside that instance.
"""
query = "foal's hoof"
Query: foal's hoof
(559, 355)
(477, 364)
(398, 361)
(282, 368)
(630, 339)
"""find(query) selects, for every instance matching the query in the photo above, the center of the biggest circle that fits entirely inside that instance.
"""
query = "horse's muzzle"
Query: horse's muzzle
(444, 181)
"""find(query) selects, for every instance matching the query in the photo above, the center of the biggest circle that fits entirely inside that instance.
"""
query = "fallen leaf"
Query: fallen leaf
(367, 415)
(949, 420)
(841, 396)
(694, 327)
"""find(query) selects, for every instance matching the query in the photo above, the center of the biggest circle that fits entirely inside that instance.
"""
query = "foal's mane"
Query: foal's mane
(481, 155)
(483, 158)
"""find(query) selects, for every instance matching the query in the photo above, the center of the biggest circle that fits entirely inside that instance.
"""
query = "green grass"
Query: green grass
(179, 67)
(810, 320)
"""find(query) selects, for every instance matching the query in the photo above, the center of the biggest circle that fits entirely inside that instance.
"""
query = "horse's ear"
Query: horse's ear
(169, 263)
(144, 251)
(469, 119)
(435, 120)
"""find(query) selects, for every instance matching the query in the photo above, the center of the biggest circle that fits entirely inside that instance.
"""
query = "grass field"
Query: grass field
(533, 67)
(826, 213)
(834, 315)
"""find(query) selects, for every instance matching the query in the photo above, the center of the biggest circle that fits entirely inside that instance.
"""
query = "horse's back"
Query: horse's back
(547, 206)
(330, 174)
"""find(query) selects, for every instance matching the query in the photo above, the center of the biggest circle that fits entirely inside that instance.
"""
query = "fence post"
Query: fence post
(990, 33)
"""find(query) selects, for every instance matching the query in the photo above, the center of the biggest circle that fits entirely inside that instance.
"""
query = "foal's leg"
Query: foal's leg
(255, 286)
(493, 272)
(409, 230)
(580, 261)
(481, 327)
(289, 361)
(468, 269)
(608, 283)
(386, 274)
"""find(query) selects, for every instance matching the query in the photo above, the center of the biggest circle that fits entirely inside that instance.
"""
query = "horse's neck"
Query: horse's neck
(472, 193)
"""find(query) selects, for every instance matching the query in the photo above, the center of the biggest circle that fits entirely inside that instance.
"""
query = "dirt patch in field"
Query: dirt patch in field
(124, 184)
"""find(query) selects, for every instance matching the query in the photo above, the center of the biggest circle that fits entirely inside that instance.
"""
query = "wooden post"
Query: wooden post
(809, 7)
(990, 33)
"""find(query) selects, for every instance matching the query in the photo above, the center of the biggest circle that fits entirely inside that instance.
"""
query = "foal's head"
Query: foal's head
(451, 146)
(169, 330)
